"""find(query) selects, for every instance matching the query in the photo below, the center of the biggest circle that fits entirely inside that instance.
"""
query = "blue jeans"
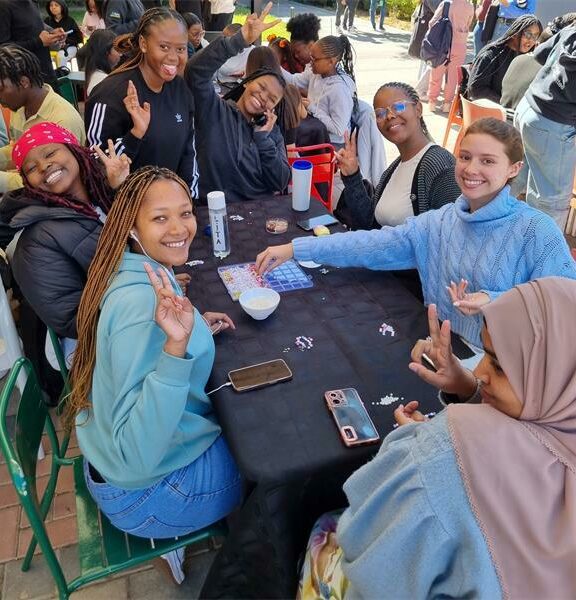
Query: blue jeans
(373, 5)
(500, 30)
(478, 43)
(186, 500)
(549, 162)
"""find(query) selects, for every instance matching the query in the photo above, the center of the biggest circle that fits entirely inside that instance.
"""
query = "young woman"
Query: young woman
(329, 85)
(99, 57)
(476, 502)
(195, 28)
(237, 154)
(58, 17)
(143, 105)
(156, 462)
(491, 64)
(61, 208)
(461, 13)
(93, 19)
(420, 179)
(486, 240)
(303, 30)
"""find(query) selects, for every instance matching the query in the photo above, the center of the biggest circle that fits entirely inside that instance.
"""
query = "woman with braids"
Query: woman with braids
(66, 196)
(329, 85)
(468, 252)
(420, 179)
(155, 459)
(240, 147)
(143, 105)
(303, 31)
(491, 64)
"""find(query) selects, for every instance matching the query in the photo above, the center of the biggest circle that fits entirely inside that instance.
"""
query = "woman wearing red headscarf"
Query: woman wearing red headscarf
(67, 193)
(478, 502)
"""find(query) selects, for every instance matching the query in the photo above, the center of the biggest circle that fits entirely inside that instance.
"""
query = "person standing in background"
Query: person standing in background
(92, 18)
(221, 14)
(345, 11)
(373, 5)
(509, 11)
(481, 12)
(122, 16)
(461, 13)
(21, 23)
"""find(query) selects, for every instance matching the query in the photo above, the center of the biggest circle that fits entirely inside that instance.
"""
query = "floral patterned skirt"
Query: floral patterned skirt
(322, 577)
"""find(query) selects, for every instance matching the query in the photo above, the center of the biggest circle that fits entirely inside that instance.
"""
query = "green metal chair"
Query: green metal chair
(67, 91)
(103, 549)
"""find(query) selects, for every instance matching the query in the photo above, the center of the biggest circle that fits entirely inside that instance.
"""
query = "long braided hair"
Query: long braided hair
(16, 62)
(339, 46)
(412, 95)
(93, 177)
(104, 266)
(129, 44)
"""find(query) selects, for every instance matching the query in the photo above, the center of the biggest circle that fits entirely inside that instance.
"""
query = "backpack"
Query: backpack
(438, 41)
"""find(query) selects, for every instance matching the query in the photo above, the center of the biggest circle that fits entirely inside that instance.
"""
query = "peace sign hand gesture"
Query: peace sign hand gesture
(174, 314)
(117, 166)
(468, 303)
(254, 25)
(347, 157)
(140, 114)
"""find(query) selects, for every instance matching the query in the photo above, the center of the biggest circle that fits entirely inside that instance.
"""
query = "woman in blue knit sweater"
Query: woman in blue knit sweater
(487, 241)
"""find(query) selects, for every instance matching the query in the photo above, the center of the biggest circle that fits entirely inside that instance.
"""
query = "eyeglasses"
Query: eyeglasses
(395, 108)
(528, 35)
(316, 59)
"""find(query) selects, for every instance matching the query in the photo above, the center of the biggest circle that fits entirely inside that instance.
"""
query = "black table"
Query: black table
(283, 438)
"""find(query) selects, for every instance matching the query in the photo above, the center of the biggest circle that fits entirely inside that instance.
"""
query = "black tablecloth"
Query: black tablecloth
(283, 437)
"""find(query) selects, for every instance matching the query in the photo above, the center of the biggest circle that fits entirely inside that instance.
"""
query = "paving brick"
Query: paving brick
(4, 475)
(24, 537)
(63, 532)
(24, 522)
(65, 480)
(36, 583)
(9, 518)
(8, 495)
(112, 589)
(43, 466)
(69, 561)
(64, 505)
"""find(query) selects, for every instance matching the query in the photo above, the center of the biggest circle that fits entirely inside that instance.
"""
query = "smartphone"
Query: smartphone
(309, 224)
(69, 32)
(352, 419)
(428, 363)
(260, 375)
(260, 120)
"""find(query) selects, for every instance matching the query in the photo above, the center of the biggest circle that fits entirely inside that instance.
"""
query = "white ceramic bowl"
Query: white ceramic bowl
(259, 303)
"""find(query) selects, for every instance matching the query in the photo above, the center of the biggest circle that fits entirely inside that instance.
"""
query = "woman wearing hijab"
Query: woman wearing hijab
(478, 501)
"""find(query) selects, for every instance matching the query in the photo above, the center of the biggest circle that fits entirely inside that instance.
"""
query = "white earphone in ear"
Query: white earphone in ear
(134, 236)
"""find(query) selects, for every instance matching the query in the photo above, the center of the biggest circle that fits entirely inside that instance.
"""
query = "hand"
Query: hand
(271, 119)
(140, 114)
(347, 157)
(273, 257)
(117, 167)
(52, 38)
(305, 101)
(183, 279)
(221, 319)
(254, 26)
(468, 304)
(409, 414)
(174, 314)
(450, 377)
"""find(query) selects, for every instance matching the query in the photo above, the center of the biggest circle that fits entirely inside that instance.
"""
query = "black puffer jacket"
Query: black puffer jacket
(52, 257)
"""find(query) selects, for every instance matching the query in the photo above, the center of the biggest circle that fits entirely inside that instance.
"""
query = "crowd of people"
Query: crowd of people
(97, 211)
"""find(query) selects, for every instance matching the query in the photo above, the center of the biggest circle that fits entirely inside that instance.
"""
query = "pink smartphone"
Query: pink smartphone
(352, 419)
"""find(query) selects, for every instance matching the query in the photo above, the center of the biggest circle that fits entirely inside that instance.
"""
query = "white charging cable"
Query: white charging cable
(219, 388)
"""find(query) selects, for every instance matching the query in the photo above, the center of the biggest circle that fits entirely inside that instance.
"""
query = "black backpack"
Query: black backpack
(438, 41)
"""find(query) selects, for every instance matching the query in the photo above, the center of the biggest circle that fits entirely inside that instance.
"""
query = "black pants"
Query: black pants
(221, 20)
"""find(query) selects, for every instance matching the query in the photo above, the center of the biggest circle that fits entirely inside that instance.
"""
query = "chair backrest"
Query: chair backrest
(323, 168)
(32, 420)
(67, 91)
(473, 110)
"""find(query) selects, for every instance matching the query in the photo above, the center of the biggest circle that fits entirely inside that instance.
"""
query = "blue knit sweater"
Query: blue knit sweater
(495, 248)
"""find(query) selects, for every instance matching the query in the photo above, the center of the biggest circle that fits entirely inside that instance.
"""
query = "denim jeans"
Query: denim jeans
(478, 43)
(186, 500)
(373, 5)
(549, 162)
(346, 12)
(500, 30)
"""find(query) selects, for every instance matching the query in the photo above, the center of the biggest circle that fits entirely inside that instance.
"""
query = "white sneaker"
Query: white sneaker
(353, 29)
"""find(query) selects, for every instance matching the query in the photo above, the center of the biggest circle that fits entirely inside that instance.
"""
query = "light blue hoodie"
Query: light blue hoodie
(150, 414)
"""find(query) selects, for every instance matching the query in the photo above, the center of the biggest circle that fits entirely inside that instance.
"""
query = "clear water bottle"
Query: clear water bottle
(219, 224)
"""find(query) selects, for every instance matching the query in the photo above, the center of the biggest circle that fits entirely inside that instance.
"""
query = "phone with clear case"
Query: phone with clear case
(352, 419)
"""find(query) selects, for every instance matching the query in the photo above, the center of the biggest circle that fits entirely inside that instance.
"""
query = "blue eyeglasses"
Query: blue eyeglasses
(395, 108)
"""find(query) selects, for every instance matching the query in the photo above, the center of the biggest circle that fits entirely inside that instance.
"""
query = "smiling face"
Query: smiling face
(53, 168)
(483, 168)
(261, 94)
(165, 51)
(321, 64)
(165, 225)
(398, 127)
(496, 389)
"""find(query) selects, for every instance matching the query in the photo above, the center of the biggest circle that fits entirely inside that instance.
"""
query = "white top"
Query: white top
(95, 79)
(222, 6)
(395, 204)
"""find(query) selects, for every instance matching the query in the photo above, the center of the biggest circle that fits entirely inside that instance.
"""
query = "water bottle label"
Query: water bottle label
(218, 232)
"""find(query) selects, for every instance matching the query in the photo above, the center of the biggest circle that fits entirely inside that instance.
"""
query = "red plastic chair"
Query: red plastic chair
(323, 168)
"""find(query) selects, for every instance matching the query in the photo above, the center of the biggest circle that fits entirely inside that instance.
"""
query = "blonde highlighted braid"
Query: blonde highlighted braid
(103, 268)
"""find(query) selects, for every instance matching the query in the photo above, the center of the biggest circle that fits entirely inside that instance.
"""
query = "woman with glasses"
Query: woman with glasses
(420, 179)
(490, 66)
(196, 39)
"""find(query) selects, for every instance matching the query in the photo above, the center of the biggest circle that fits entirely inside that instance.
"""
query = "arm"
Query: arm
(115, 15)
(274, 162)
(338, 112)
(480, 84)
(10, 180)
(437, 15)
(188, 167)
(359, 205)
(443, 188)
(6, 156)
(300, 80)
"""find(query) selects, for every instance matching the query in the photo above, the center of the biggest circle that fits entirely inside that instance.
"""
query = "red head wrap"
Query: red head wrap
(40, 135)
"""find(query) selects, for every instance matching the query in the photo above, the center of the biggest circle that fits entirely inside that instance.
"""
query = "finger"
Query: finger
(111, 150)
(453, 295)
(266, 11)
(100, 153)
(470, 307)
(260, 259)
(146, 106)
(353, 141)
(401, 417)
(154, 279)
(165, 279)
(433, 325)
(426, 375)
(418, 416)
(271, 24)
(445, 345)
(411, 406)
(346, 140)
(420, 347)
